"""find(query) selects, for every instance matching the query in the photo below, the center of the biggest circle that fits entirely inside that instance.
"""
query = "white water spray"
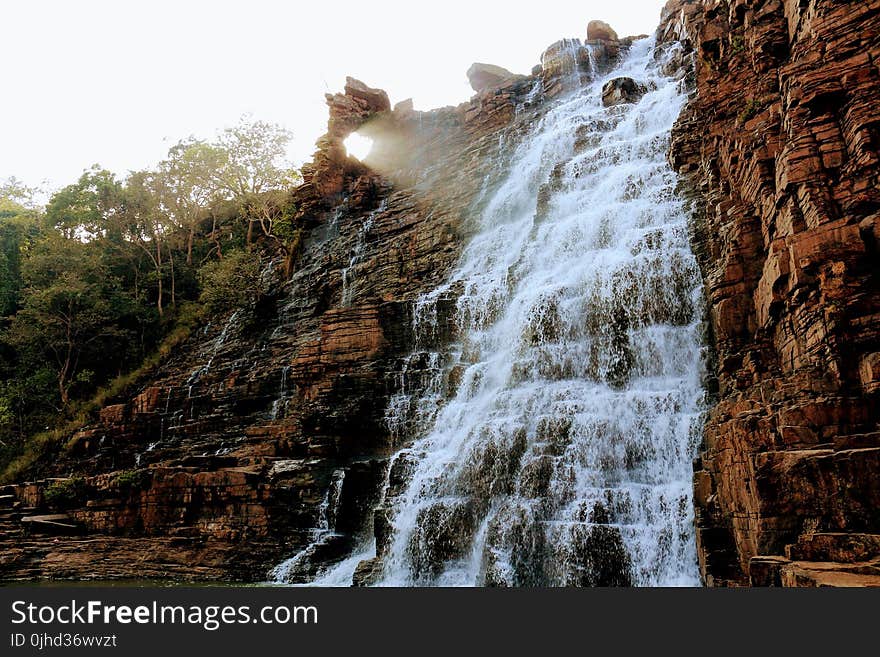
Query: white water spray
(307, 562)
(279, 406)
(564, 455)
(357, 255)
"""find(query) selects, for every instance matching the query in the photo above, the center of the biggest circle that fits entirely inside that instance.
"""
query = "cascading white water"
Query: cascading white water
(306, 562)
(357, 254)
(218, 342)
(279, 406)
(564, 455)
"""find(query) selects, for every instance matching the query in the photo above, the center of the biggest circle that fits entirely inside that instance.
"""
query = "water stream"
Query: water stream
(552, 443)
(307, 563)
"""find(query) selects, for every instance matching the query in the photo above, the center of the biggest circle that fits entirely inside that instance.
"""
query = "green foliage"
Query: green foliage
(132, 480)
(100, 286)
(7, 414)
(230, 282)
(39, 446)
(72, 314)
(19, 227)
(86, 206)
(66, 493)
(253, 158)
(189, 316)
(16, 193)
(753, 106)
(737, 44)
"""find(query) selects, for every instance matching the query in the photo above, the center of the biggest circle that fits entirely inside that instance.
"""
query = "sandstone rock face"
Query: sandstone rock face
(564, 64)
(570, 63)
(781, 151)
(352, 108)
(622, 90)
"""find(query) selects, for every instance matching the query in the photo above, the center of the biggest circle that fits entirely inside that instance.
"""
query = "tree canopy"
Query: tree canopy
(105, 265)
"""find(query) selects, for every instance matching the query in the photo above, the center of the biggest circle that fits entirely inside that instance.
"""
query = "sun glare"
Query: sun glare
(358, 146)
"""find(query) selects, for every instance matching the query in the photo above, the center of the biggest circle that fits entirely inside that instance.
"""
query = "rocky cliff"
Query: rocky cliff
(230, 459)
(217, 469)
(780, 146)
(222, 465)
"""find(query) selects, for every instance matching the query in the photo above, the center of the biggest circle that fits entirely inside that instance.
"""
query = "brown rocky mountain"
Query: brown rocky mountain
(224, 464)
(779, 145)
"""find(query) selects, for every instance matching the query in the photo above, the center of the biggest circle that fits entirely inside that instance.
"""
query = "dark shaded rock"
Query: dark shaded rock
(622, 90)
(367, 573)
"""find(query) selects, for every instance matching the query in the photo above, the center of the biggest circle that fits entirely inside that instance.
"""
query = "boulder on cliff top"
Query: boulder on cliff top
(484, 77)
(564, 65)
(404, 107)
(601, 31)
(564, 57)
(622, 90)
(376, 99)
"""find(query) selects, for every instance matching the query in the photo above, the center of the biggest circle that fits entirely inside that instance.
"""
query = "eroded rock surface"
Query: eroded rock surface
(600, 30)
(780, 147)
(220, 466)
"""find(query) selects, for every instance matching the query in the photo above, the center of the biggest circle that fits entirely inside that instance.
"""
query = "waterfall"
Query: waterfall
(311, 560)
(562, 453)
(197, 374)
(357, 254)
(279, 406)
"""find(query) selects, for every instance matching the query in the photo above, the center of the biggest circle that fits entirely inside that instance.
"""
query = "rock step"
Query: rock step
(835, 546)
(772, 570)
(58, 523)
(830, 574)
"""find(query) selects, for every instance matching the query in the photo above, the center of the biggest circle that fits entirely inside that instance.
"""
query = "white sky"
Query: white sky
(117, 82)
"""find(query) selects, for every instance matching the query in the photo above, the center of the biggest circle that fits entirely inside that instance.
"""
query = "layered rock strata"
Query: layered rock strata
(780, 149)
(220, 466)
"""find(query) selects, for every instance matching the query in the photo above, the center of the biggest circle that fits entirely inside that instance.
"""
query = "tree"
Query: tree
(125, 217)
(19, 227)
(186, 185)
(253, 158)
(70, 312)
(27, 400)
(249, 160)
(87, 207)
(15, 192)
(143, 224)
(230, 282)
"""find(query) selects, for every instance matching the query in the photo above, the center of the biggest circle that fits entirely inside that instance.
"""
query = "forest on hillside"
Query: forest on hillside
(98, 284)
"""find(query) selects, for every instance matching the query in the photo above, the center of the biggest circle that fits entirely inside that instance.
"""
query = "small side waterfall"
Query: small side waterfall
(309, 562)
(196, 375)
(553, 445)
(357, 255)
(279, 406)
